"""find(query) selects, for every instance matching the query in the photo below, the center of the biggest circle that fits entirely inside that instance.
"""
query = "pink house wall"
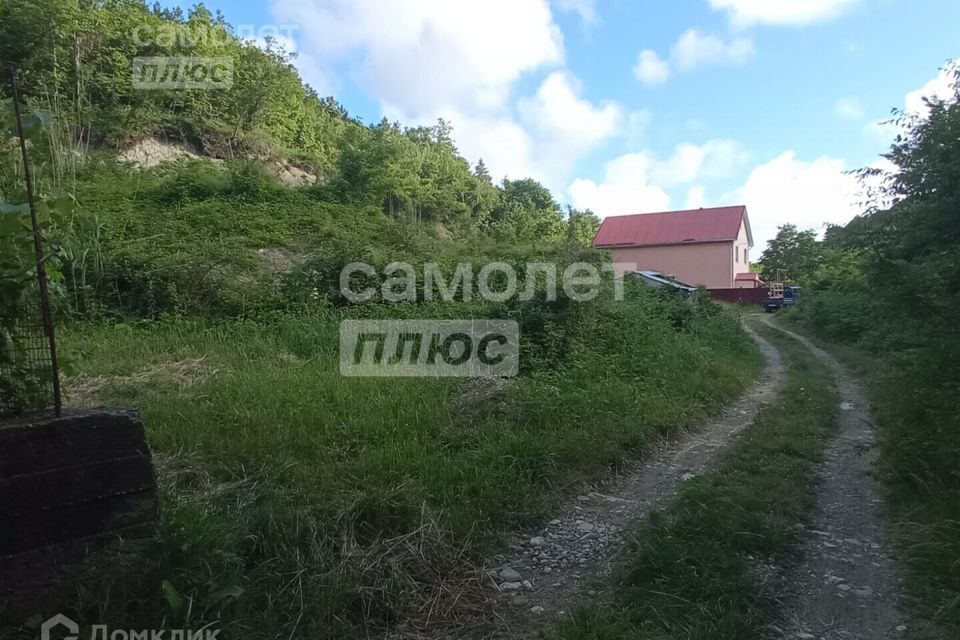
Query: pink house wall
(709, 263)
(741, 252)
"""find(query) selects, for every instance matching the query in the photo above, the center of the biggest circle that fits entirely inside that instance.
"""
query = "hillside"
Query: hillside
(77, 60)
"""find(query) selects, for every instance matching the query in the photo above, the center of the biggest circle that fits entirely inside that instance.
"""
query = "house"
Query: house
(748, 280)
(709, 247)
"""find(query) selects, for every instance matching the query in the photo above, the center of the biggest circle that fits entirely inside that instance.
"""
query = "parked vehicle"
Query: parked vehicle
(780, 296)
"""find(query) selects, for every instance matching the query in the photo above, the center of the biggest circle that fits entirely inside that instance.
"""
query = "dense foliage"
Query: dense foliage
(25, 380)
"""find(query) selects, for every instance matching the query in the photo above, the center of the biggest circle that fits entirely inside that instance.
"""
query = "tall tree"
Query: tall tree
(793, 254)
(528, 212)
(482, 173)
(582, 226)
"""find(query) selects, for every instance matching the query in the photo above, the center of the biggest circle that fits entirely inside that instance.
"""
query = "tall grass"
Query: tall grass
(299, 502)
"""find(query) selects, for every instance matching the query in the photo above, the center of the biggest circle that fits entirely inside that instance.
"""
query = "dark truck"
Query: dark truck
(777, 300)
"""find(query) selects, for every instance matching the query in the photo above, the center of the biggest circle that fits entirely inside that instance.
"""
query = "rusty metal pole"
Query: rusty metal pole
(45, 311)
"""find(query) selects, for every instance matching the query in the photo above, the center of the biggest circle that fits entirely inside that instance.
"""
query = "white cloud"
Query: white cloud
(883, 131)
(586, 9)
(315, 75)
(624, 189)
(423, 55)
(696, 197)
(783, 190)
(694, 49)
(848, 108)
(638, 182)
(424, 59)
(638, 122)
(939, 88)
(565, 126)
(714, 159)
(691, 50)
(650, 69)
(310, 70)
(558, 111)
(505, 146)
(806, 194)
(744, 13)
(553, 129)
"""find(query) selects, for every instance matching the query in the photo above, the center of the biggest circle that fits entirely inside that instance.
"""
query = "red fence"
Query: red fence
(740, 296)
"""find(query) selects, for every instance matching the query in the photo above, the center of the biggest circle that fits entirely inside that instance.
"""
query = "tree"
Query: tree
(527, 212)
(528, 194)
(482, 173)
(793, 254)
(911, 250)
(582, 226)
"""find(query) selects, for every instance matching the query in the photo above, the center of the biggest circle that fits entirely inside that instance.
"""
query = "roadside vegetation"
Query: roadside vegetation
(294, 498)
(696, 569)
(296, 502)
(888, 285)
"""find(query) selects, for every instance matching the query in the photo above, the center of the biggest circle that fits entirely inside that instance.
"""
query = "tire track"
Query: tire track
(845, 585)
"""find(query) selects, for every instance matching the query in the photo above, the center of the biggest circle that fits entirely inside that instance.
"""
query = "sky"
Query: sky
(633, 106)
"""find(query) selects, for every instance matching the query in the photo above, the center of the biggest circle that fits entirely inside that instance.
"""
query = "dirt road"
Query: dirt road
(845, 586)
(841, 586)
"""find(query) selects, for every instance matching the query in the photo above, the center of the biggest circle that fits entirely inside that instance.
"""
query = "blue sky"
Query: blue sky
(630, 106)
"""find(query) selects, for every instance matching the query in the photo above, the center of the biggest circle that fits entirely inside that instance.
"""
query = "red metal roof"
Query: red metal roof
(748, 276)
(672, 227)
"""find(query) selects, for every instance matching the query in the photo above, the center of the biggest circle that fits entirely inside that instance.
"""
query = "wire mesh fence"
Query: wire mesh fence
(27, 386)
(29, 380)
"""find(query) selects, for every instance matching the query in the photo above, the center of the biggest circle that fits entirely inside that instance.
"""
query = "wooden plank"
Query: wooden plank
(32, 574)
(71, 440)
(29, 531)
(32, 492)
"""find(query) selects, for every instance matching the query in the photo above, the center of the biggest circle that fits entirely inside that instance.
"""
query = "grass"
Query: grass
(693, 570)
(299, 502)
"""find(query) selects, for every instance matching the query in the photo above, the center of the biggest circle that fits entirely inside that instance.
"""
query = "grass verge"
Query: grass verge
(694, 570)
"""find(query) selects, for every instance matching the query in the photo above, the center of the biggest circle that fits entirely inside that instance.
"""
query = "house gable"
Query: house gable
(691, 226)
(746, 224)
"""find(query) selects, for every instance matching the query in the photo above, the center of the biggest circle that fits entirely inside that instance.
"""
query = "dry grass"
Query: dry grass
(83, 391)
(425, 577)
(433, 579)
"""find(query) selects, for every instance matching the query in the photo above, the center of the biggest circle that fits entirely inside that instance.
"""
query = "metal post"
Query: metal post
(38, 249)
